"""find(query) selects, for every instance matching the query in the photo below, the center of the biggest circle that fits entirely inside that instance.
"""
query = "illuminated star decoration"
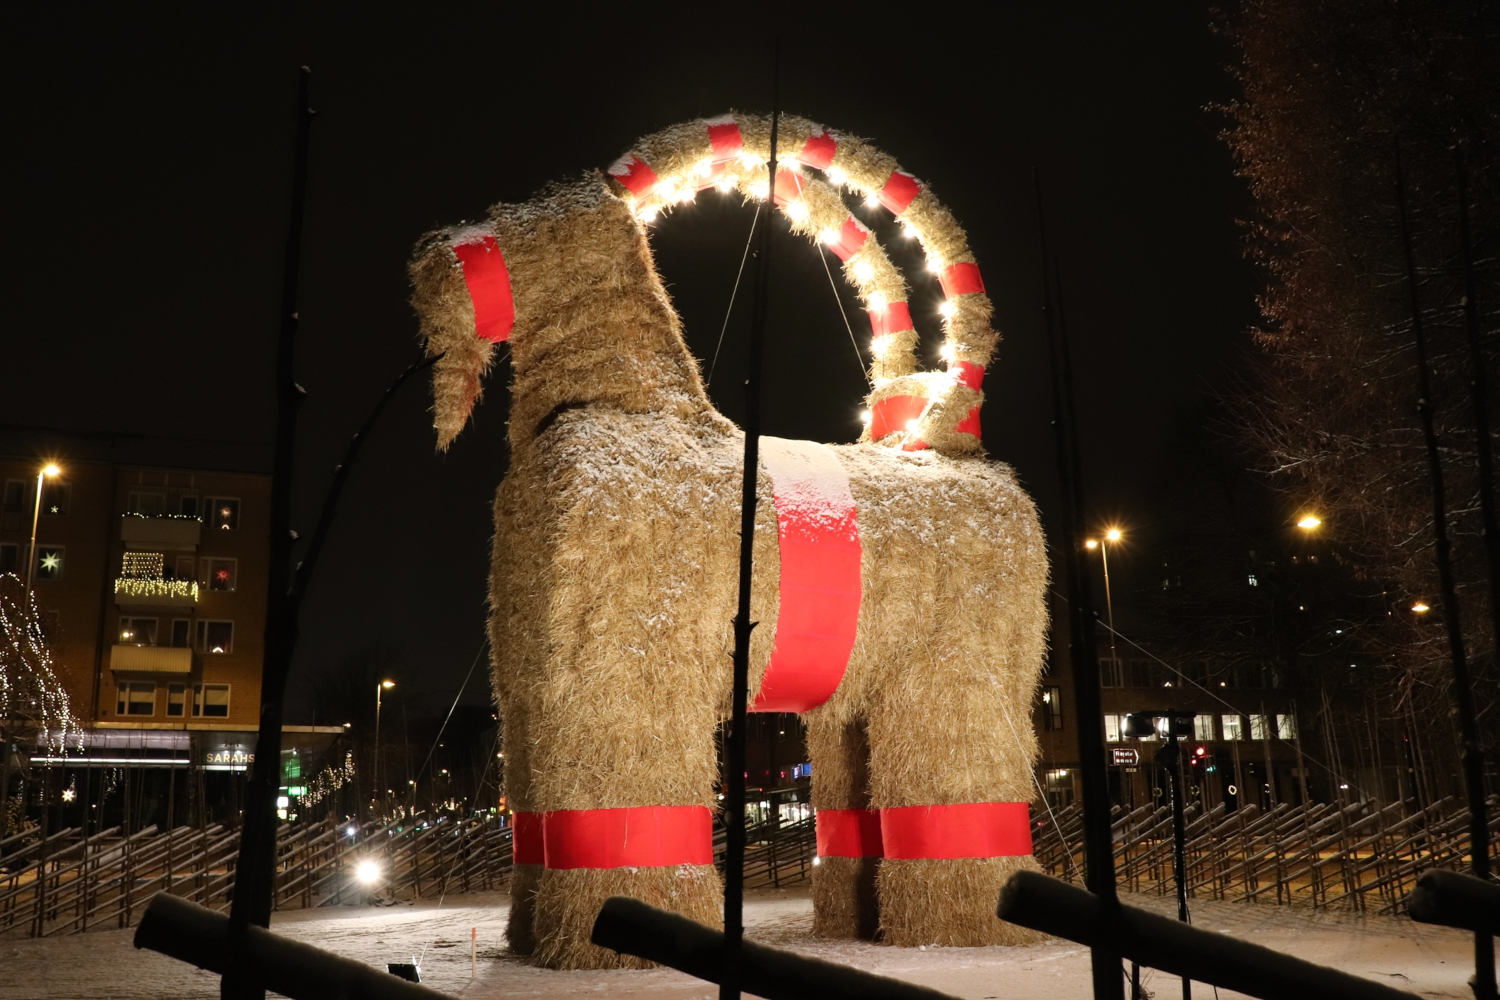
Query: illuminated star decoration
(69, 795)
(51, 562)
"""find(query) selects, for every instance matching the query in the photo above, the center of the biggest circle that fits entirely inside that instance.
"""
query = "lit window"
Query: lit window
(138, 631)
(223, 513)
(1253, 581)
(1052, 709)
(1060, 788)
(49, 562)
(136, 698)
(1258, 728)
(1230, 725)
(211, 700)
(1203, 727)
(1286, 727)
(1112, 728)
(215, 637)
(176, 699)
(222, 573)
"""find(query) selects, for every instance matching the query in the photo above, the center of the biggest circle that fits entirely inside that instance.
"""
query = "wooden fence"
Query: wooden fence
(68, 883)
(1360, 856)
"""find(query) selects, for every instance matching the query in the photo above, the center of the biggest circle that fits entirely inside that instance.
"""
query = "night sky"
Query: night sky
(148, 176)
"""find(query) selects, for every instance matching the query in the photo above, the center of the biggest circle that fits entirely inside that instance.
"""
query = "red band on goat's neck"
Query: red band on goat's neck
(899, 191)
(818, 537)
(966, 830)
(526, 839)
(635, 837)
(961, 279)
(818, 150)
(635, 174)
(848, 833)
(724, 137)
(851, 236)
(488, 281)
(894, 318)
(893, 413)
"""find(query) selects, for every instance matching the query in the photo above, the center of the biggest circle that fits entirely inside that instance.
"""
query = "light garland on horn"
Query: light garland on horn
(907, 408)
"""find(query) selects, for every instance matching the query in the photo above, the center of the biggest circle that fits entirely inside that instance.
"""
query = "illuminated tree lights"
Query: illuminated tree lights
(34, 704)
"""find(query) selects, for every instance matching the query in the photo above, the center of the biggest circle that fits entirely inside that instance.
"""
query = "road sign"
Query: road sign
(1124, 756)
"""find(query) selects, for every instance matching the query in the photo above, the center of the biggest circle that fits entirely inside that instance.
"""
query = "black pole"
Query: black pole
(255, 868)
(734, 764)
(1463, 693)
(1479, 833)
(1098, 848)
(1171, 756)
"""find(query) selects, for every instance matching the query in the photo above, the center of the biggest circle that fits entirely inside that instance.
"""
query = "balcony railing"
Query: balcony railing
(151, 659)
(168, 532)
(155, 593)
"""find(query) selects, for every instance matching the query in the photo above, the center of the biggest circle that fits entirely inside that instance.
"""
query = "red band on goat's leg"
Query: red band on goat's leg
(634, 837)
(848, 833)
(820, 589)
(893, 413)
(965, 830)
(526, 839)
(488, 281)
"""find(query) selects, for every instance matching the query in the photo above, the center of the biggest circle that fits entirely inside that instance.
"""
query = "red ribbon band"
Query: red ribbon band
(970, 423)
(818, 150)
(899, 191)
(526, 846)
(966, 373)
(848, 833)
(789, 186)
(635, 173)
(961, 279)
(852, 236)
(894, 318)
(488, 281)
(725, 138)
(636, 837)
(820, 587)
(893, 413)
(966, 830)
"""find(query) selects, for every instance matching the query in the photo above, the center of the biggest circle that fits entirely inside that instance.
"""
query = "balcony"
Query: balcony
(169, 533)
(133, 592)
(150, 660)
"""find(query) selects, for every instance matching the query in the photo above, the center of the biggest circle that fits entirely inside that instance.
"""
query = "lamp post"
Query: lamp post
(1112, 535)
(36, 515)
(380, 689)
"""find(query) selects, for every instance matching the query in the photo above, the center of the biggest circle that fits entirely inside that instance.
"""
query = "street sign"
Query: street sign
(1124, 756)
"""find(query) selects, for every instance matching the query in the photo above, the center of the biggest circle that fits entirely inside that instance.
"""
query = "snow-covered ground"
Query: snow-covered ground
(1431, 962)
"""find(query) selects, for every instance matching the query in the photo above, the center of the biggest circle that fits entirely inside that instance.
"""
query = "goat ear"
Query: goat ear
(461, 292)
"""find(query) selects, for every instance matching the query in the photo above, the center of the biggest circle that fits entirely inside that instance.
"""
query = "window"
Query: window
(49, 562)
(1052, 709)
(148, 504)
(1286, 727)
(1111, 673)
(1112, 728)
(10, 558)
(176, 699)
(222, 573)
(181, 633)
(138, 631)
(1060, 788)
(55, 497)
(184, 567)
(211, 700)
(15, 496)
(1258, 728)
(1140, 674)
(136, 698)
(1203, 727)
(1196, 673)
(1230, 724)
(223, 513)
(215, 637)
(187, 505)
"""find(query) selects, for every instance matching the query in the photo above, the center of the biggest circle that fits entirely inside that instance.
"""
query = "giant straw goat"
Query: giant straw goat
(898, 581)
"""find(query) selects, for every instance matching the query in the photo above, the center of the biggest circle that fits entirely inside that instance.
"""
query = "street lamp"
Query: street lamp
(50, 469)
(1112, 535)
(1420, 608)
(1309, 522)
(380, 689)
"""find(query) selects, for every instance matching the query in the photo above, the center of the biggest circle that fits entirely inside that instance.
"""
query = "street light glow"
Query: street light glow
(1113, 534)
(1420, 608)
(1092, 543)
(387, 684)
(51, 470)
(367, 872)
(1309, 522)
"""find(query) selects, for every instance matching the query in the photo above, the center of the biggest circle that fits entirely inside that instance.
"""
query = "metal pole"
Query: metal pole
(734, 787)
(255, 869)
(1099, 862)
(375, 768)
(1171, 756)
(1479, 834)
(36, 515)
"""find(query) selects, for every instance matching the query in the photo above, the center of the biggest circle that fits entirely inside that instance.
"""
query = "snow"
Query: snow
(1430, 961)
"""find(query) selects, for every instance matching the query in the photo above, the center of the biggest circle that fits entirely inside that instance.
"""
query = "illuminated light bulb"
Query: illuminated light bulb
(648, 214)
(1092, 543)
(1309, 522)
(836, 176)
(947, 309)
(1113, 534)
(796, 211)
(863, 271)
(877, 302)
(1420, 608)
(666, 188)
(946, 352)
(761, 191)
(687, 195)
(367, 872)
(911, 426)
(829, 236)
(705, 167)
(935, 265)
(872, 200)
(865, 416)
(749, 161)
(725, 186)
(879, 344)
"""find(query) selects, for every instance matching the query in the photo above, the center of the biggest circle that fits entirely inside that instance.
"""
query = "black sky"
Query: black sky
(148, 171)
